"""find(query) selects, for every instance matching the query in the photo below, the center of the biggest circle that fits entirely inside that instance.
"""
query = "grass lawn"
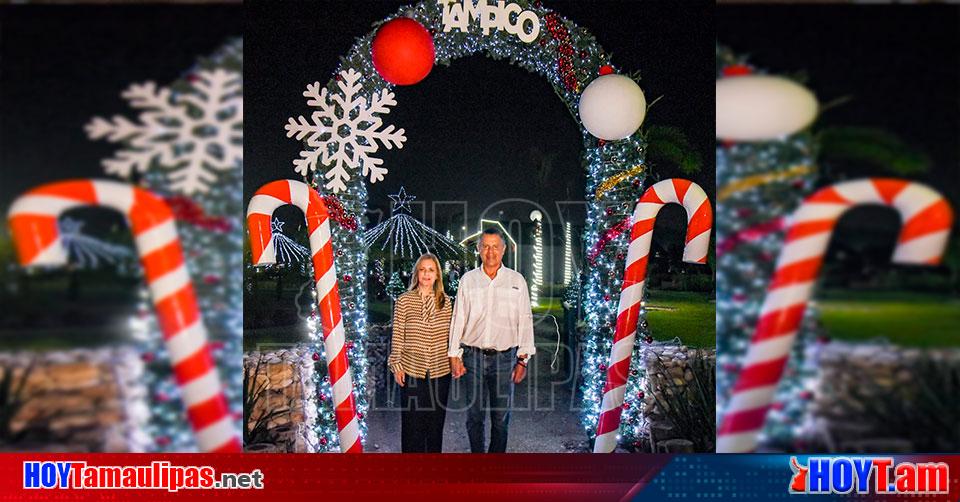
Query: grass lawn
(694, 320)
(691, 318)
(916, 320)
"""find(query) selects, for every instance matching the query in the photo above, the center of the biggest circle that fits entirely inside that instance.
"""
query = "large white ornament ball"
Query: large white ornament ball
(612, 107)
(536, 215)
(762, 107)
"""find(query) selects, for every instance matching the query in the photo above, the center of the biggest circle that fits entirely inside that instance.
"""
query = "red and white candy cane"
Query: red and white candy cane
(33, 221)
(699, 224)
(259, 214)
(926, 218)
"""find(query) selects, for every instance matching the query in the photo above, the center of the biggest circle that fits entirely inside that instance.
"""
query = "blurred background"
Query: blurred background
(83, 364)
(879, 353)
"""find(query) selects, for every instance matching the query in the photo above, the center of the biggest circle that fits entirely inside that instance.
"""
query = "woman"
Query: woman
(418, 358)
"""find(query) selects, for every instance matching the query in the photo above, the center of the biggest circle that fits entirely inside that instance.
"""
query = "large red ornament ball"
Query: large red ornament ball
(737, 70)
(403, 51)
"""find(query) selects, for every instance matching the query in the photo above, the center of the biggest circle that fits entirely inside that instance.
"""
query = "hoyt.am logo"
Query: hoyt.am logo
(879, 475)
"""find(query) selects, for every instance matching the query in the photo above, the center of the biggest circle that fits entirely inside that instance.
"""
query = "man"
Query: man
(491, 341)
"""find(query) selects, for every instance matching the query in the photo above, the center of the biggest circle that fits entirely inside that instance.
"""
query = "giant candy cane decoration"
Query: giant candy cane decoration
(926, 218)
(259, 213)
(33, 221)
(699, 224)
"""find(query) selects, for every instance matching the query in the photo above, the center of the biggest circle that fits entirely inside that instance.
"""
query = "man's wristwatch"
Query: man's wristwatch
(522, 361)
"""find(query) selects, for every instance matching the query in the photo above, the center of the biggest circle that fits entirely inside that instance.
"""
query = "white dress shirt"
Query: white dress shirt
(492, 313)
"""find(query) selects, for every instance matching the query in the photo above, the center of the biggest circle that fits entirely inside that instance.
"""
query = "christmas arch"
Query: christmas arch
(342, 135)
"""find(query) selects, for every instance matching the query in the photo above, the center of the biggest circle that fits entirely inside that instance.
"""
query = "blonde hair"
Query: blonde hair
(439, 293)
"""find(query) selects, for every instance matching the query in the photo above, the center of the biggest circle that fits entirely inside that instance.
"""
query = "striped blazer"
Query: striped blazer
(420, 336)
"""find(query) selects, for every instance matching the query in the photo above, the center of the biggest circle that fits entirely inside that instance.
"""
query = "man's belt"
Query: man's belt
(487, 352)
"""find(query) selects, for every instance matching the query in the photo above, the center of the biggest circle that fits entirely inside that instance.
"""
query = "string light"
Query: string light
(569, 58)
(86, 251)
(287, 250)
(537, 218)
(745, 265)
(215, 261)
(567, 254)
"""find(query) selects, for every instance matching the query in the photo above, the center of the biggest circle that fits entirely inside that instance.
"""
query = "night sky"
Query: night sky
(899, 64)
(62, 65)
(475, 129)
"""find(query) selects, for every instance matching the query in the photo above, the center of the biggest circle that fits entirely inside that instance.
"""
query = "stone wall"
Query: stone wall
(669, 370)
(286, 377)
(879, 397)
(82, 400)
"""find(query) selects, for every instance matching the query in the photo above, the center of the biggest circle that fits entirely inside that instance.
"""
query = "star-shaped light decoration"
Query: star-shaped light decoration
(276, 226)
(401, 200)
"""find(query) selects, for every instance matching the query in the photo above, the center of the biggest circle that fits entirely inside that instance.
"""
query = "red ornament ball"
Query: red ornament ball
(606, 69)
(163, 441)
(640, 395)
(636, 183)
(403, 51)
(347, 278)
(316, 357)
(606, 297)
(147, 357)
(323, 441)
(737, 70)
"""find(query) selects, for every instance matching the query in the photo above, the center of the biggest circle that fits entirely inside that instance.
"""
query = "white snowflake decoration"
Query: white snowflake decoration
(344, 131)
(192, 135)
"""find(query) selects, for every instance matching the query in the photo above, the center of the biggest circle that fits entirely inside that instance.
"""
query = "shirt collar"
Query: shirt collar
(498, 275)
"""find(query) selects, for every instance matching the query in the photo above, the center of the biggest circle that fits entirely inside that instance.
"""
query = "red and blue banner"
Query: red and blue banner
(292, 477)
